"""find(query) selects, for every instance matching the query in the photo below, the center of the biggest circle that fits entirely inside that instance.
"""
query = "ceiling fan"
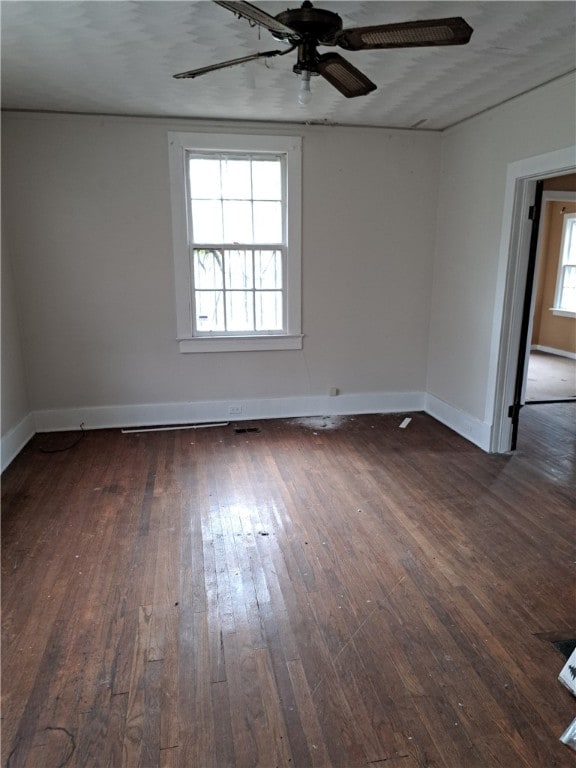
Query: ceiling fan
(307, 27)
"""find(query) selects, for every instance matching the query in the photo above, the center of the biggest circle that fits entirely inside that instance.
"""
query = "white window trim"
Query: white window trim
(178, 145)
(562, 312)
(557, 309)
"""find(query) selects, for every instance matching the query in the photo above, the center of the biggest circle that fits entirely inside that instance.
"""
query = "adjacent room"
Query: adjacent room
(552, 363)
(279, 483)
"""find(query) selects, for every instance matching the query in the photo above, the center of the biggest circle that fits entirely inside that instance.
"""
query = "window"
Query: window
(236, 230)
(565, 299)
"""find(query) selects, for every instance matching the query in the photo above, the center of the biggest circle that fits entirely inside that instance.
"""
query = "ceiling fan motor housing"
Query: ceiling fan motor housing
(313, 26)
(310, 24)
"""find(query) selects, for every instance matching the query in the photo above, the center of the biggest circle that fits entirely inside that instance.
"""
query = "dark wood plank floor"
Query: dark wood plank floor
(312, 594)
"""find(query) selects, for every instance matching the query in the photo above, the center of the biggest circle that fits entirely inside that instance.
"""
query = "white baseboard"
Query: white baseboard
(154, 414)
(15, 439)
(478, 432)
(552, 351)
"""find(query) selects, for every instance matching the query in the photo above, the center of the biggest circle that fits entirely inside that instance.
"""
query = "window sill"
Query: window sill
(240, 343)
(562, 312)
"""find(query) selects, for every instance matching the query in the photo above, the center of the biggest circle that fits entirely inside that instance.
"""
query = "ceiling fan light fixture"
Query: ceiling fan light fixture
(304, 94)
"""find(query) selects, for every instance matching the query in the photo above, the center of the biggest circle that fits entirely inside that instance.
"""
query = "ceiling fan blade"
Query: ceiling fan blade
(231, 63)
(343, 76)
(409, 34)
(257, 16)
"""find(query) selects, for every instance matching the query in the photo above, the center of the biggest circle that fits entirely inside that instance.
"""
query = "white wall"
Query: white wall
(88, 229)
(475, 156)
(15, 421)
(88, 220)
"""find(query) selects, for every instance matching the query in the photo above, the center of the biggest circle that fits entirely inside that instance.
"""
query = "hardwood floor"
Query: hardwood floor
(322, 593)
(550, 377)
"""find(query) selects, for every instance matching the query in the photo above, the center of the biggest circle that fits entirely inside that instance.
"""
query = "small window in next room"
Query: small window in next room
(565, 297)
(236, 203)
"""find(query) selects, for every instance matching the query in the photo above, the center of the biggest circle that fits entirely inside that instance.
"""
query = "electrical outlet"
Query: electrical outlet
(234, 410)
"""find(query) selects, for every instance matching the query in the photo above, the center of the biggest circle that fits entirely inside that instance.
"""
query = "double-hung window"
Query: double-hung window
(236, 209)
(565, 298)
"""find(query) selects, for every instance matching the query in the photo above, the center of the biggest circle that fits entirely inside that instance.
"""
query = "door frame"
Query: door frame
(521, 179)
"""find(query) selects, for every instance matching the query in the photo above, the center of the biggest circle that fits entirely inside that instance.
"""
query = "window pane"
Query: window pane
(239, 269)
(268, 269)
(205, 179)
(269, 311)
(207, 221)
(569, 255)
(268, 222)
(239, 311)
(236, 183)
(209, 310)
(207, 269)
(267, 179)
(568, 297)
(237, 222)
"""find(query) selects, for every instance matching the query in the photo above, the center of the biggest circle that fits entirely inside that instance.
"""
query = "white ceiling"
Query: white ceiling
(118, 57)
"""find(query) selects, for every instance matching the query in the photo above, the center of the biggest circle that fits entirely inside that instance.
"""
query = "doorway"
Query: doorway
(511, 331)
(550, 374)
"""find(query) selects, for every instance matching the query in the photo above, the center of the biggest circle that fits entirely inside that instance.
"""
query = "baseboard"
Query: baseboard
(226, 410)
(15, 439)
(154, 414)
(478, 432)
(552, 351)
